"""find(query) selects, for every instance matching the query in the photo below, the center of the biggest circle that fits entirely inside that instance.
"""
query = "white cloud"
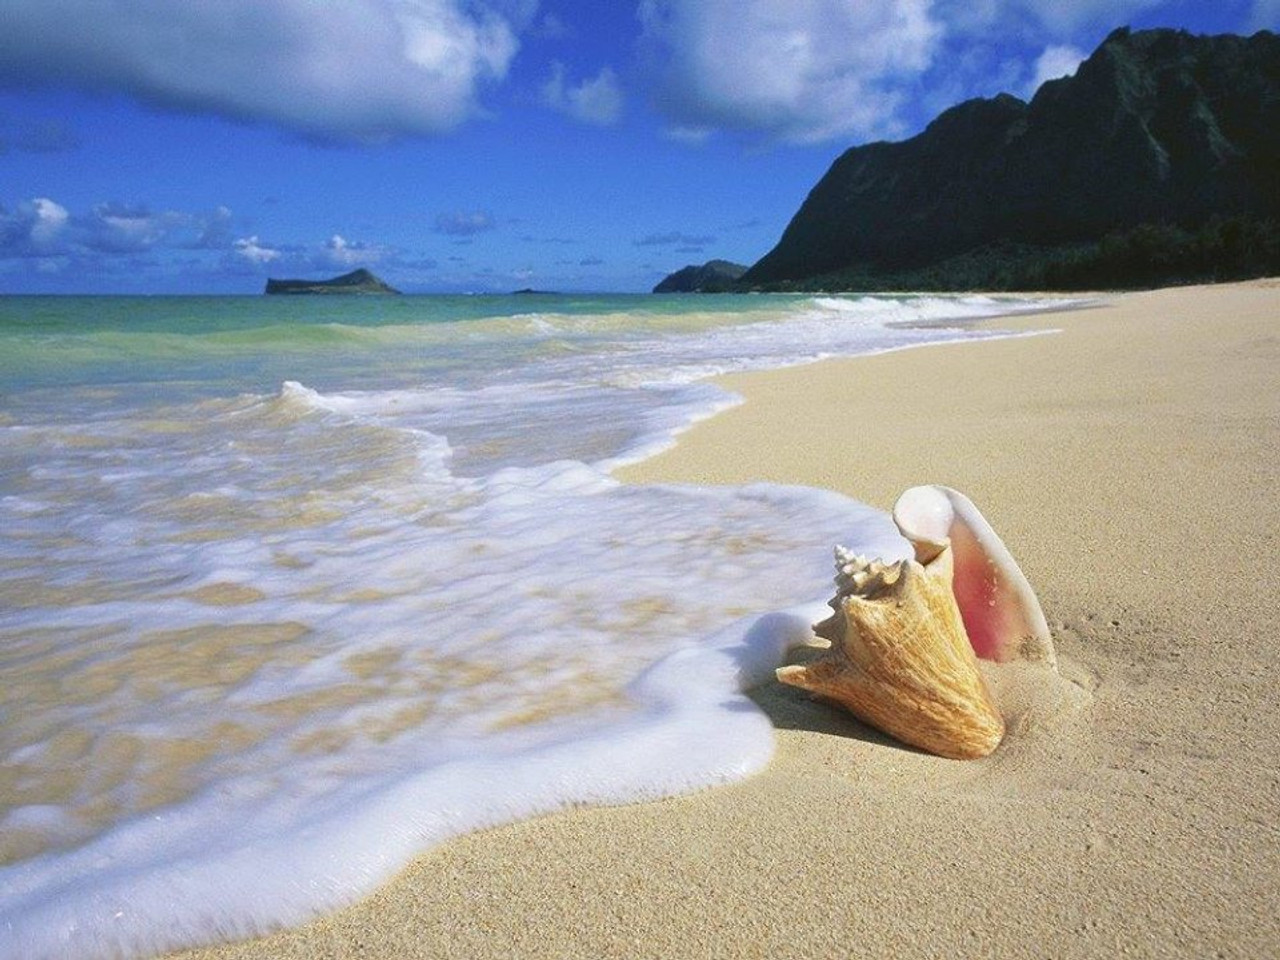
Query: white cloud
(249, 254)
(118, 228)
(798, 70)
(252, 250)
(1055, 62)
(46, 221)
(364, 70)
(597, 101)
(41, 234)
(37, 228)
(42, 227)
(340, 252)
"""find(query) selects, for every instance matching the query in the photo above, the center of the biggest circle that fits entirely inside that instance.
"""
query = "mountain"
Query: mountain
(714, 276)
(1158, 161)
(357, 281)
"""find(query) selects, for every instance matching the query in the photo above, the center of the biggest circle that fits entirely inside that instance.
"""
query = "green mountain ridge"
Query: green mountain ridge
(714, 276)
(1159, 161)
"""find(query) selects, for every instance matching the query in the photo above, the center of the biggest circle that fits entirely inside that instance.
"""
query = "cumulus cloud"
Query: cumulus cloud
(45, 236)
(462, 224)
(47, 220)
(42, 227)
(252, 250)
(359, 70)
(37, 228)
(339, 252)
(120, 228)
(597, 101)
(252, 254)
(1055, 62)
(797, 70)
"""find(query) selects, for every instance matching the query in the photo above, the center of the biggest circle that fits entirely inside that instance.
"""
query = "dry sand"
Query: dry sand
(1130, 462)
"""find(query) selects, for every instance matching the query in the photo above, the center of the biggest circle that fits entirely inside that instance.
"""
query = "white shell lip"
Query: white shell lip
(1001, 613)
(924, 516)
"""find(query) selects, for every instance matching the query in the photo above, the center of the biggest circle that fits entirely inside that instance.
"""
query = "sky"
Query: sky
(201, 146)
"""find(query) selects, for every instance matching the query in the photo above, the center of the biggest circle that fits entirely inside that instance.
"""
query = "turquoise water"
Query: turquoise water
(60, 340)
(293, 588)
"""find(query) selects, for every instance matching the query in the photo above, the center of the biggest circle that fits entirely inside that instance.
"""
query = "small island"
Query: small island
(356, 282)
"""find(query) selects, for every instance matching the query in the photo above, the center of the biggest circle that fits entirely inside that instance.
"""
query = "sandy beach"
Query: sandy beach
(1130, 463)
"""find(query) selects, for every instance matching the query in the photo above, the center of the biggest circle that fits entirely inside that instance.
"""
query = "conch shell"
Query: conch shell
(901, 656)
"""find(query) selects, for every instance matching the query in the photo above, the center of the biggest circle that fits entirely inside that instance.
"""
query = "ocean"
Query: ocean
(292, 589)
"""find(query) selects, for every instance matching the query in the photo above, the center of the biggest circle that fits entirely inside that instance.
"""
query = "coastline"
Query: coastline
(1129, 463)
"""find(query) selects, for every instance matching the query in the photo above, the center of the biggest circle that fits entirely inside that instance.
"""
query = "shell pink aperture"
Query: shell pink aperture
(1000, 611)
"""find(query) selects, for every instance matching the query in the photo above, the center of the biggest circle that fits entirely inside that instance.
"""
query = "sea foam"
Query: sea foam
(257, 650)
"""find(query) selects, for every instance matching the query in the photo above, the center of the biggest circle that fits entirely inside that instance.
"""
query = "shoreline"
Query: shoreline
(1128, 462)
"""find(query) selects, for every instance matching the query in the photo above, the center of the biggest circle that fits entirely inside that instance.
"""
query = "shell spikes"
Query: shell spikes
(900, 660)
(901, 656)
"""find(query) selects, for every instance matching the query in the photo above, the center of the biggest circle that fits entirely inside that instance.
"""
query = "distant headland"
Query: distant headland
(356, 282)
(714, 276)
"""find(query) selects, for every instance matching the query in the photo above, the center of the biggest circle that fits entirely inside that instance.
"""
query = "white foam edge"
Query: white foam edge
(662, 428)
(694, 728)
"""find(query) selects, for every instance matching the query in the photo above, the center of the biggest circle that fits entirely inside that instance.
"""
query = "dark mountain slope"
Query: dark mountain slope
(714, 276)
(1162, 145)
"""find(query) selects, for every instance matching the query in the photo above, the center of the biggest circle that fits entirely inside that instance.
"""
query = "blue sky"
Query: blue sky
(448, 145)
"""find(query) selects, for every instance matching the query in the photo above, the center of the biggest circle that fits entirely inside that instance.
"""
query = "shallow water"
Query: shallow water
(291, 589)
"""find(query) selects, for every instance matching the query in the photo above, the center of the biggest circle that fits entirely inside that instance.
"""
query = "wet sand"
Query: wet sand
(1130, 463)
